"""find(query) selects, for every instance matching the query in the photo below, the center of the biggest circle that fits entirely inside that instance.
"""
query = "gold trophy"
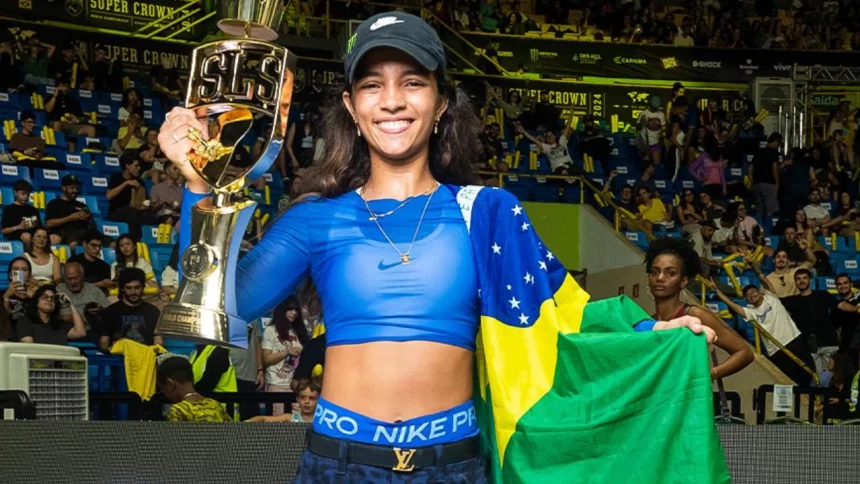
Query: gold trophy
(235, 85)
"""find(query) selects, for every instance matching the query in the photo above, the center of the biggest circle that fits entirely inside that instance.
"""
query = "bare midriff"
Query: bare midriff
(395, 381)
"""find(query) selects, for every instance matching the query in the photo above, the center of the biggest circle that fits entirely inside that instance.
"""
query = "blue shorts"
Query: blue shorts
(443, 427)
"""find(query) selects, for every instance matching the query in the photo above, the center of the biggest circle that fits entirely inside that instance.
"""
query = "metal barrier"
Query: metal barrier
(734, 401)
(817, 398)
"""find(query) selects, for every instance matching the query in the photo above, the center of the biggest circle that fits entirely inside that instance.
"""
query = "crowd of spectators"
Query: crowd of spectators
(804, 24)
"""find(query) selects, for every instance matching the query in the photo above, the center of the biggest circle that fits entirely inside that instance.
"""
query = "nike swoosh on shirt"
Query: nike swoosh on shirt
(385, 267)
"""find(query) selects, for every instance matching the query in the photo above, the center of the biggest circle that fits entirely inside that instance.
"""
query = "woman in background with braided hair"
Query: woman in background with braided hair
(671, 265)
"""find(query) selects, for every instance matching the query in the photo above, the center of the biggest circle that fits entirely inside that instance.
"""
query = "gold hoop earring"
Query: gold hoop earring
(436, 128)
(357, 130)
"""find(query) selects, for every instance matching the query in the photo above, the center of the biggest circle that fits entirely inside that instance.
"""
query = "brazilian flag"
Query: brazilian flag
(569, 391)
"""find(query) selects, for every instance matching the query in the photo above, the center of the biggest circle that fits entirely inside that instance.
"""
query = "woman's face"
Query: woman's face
(800, 216)
(395, 102)
(742, 212)
(689, 196)
(133, 98)
(126, 247)
(704, 199)
(291, 314)
(665, 279)
(19, 265)
(550, 138)
(40, 239)
(47, 301)
(845, 199)
(152, 137)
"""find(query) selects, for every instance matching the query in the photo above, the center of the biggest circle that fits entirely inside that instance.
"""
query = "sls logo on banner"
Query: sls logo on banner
(708, 64)
(749, 67)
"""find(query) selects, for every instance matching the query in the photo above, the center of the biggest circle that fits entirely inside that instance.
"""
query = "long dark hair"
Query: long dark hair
(345, 165)
(283, 326)
(32, 310)
(32, 244)
(121, 261)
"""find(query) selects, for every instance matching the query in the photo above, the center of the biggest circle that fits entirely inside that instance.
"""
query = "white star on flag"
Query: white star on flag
(549, 255)
(517, 210)
(509, 287)
(542, 265)
(530, 279)
(525, 226)
(514, 303)
(524, 319)
(497, 249)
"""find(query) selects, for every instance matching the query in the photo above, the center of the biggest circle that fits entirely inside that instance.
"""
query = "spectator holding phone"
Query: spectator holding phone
(42, 323)
(66, 217)
(22, 287)
(20, 219)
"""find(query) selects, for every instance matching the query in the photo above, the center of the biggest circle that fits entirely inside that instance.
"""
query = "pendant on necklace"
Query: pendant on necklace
(404, 259)
(372, 218)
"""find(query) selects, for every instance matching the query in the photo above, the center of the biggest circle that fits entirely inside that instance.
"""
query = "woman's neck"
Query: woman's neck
(398, 181)
(666, 308)
(38, 252)
(45, 317)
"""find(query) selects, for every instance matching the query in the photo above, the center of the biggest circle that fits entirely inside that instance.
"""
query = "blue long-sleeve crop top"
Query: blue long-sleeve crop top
(367, 294)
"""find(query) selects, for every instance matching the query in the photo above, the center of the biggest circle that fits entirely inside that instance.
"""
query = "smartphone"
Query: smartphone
(19, 276)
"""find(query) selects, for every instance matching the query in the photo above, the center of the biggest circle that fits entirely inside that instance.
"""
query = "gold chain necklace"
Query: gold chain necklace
(405, 257)
(374, 215)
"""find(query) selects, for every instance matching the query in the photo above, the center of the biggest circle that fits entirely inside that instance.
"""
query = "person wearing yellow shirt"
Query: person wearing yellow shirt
(652, 210)
(176, 381)
(131, 136)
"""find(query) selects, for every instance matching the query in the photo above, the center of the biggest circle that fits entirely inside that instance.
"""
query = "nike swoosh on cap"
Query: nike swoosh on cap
(385, 22)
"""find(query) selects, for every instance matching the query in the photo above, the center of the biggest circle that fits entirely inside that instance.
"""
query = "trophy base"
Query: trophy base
(242, 28)
(196, 324)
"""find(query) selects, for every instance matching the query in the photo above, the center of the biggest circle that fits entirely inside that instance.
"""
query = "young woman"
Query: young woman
(671, 265)
(302, 139)
(22, 287)
(847, 218)
(127, 256)
(801, 225)
(709, 168)
(42, 322)
(131, 99)
(283, 341)
(45, 265)
(387, 246)
(688, 212)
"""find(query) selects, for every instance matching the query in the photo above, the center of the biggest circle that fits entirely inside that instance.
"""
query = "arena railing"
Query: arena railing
(821, 405)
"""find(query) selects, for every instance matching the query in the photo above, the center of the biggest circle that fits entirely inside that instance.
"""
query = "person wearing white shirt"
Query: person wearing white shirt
(765, 309)
(817, 214)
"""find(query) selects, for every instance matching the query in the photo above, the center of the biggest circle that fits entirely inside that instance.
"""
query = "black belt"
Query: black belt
(394, 458)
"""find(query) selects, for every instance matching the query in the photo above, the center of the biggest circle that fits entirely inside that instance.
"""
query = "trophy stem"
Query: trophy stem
(204, 309)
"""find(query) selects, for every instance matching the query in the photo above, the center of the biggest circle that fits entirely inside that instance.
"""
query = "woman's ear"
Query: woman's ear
(347, 102)
(443, 106)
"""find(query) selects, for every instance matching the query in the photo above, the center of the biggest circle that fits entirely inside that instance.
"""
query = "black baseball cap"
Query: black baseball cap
(398, 30)
(70, 180)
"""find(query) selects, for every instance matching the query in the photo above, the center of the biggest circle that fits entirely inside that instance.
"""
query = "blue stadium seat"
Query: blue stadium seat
(106, 165)
(826, 284)
(9, 174)
(48, 179)
(79, 162)
(89, 200)
(771, 241)
(843, 244)
(94, 185)
(113, 229)
(109, 255)
(639, 239)
(849, 265)
(7, 196)
(10, 250)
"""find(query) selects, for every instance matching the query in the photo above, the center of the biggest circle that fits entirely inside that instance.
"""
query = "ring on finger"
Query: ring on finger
(177, 139)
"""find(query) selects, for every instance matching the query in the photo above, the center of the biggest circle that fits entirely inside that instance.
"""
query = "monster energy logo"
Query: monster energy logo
(351, 43)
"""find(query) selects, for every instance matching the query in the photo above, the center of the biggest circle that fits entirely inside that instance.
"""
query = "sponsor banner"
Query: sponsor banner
(564, 58)
(603, 101)
(125, 15)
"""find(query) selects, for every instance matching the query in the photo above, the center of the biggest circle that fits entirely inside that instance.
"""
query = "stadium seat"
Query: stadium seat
(94, 185)
(79, 162)
(639, 239)
(7, 196)
(10, 250)
(48, 179)
(849, 265)
(113, 229)
(106, 165)
(109, 255)
(9, 174)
